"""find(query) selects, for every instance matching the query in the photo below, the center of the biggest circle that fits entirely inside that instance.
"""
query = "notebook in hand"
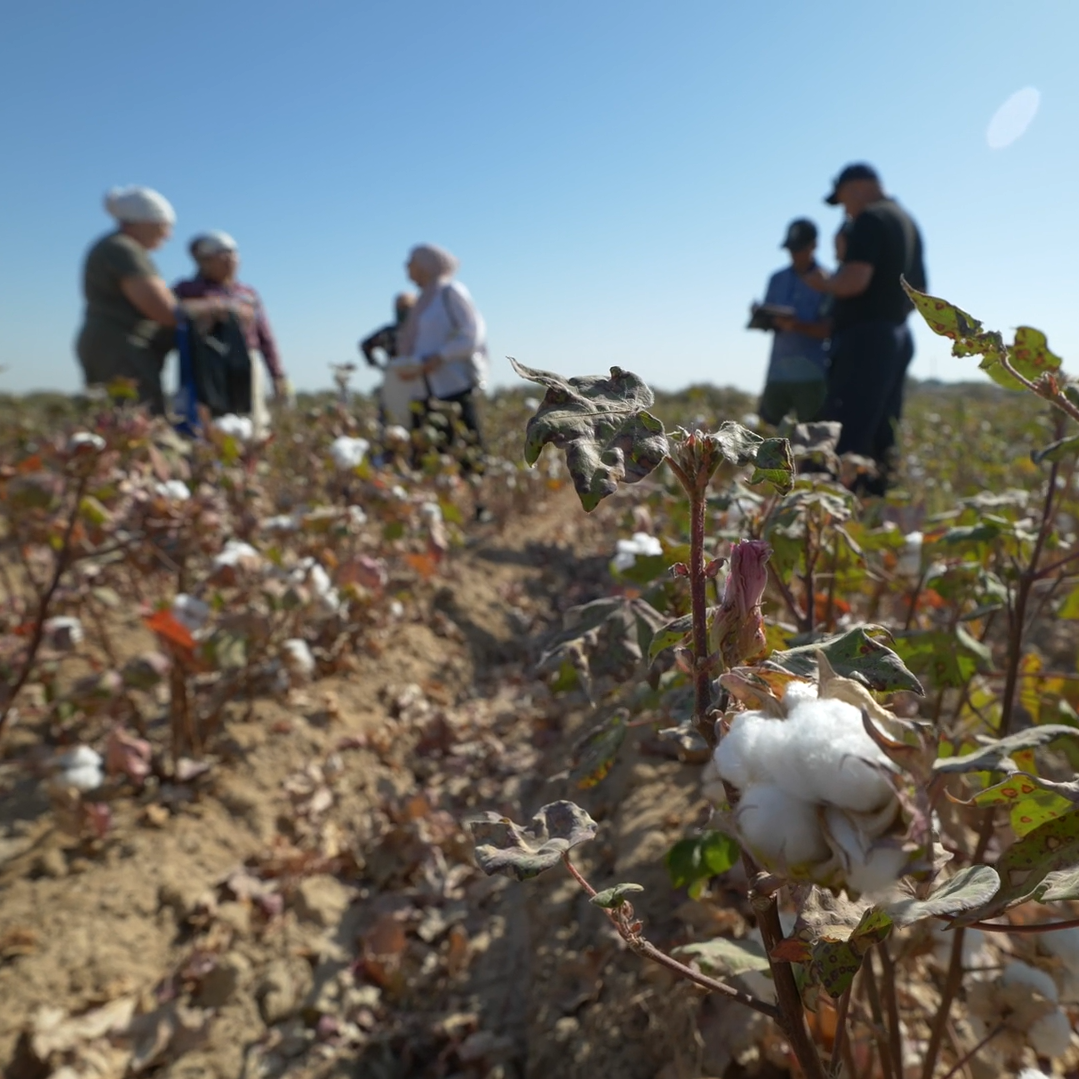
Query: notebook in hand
(764, 314)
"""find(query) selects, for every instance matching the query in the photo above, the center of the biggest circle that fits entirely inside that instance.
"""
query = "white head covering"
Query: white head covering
(211, 243)
(139, 205)
(437, 261)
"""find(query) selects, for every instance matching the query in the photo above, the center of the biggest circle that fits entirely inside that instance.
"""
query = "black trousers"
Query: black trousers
(869, 362)
(470, 419)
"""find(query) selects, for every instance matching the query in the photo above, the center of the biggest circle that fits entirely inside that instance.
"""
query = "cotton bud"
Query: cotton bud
(396, 437)
(740, 625)
(348, 453)
(63, 632)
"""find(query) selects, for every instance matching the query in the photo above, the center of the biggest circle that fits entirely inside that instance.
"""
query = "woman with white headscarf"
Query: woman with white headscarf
(130, 311)
(442, 346)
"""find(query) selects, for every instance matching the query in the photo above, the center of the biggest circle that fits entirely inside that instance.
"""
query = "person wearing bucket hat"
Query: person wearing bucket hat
(871, 346)
(795, 381)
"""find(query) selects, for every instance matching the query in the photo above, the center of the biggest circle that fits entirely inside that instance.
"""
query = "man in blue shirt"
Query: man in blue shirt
(797, 372)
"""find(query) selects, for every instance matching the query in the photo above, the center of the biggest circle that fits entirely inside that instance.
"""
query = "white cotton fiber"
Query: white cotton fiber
(1019, 973)
(824, 757)
(1064, 944)
(797, 692)
(779, 828)
(882, 868)
(1051, 1035)
(737, 759)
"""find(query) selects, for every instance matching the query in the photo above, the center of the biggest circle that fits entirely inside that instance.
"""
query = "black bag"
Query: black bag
(221, 367)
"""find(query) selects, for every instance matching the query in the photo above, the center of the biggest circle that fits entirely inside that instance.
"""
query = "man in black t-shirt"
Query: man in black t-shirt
(871, 346)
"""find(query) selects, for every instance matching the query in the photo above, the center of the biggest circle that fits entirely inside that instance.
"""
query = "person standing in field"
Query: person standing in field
(871, 345)
(129, 308)
(217, 257)
(442, 346)
(384, 339)
(131, 314)
(798, 365)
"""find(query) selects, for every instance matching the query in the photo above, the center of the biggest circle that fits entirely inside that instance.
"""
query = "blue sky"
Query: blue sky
(615, 177)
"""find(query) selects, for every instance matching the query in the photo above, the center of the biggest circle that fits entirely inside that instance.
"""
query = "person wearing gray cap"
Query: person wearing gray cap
(871, 346)
(798, 315)
(218, 259)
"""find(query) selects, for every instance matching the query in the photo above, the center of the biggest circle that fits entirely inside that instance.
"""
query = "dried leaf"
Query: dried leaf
(505, 847)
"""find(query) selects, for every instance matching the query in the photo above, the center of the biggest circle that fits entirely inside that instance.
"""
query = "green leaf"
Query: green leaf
(1060, 450)
(1030, 802)
(834, 964)
(1030, 354)
(1041, 866)
(609, 636)
(947, 659)
(692, 862)
(873, 928)
(774, 464)
(603, 426)
(610, 898)
(969, 888)
(674, 631)
(996, 755)
(726, 957)
(966, 333)
(595, 754)
(854, 654)
(505, 847)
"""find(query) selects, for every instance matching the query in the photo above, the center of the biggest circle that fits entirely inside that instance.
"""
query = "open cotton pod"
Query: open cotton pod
(817, 798)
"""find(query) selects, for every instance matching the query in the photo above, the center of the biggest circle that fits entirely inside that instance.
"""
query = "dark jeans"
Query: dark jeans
(471, 463)
(865, 392)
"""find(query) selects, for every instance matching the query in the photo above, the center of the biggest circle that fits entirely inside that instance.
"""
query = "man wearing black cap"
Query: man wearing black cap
(871, 346)
(796, 370)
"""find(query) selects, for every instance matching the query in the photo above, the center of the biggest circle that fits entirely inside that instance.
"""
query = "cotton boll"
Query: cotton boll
(297, 657)
(978, 955)
(239, 427)
(281, 523)
(430, 512)
(1020, 973)
(190, 612)
(736, 758)
(82, 441)
(1064, 944)
(628, 551)
(1032, 1073)
(173, 490)
(910, 558)
(348, 452)
(796, 692)
(1051, 1035)
(63, 632)
(883, 867)
(236, 553)
(81, 768)
(829, 758)
(781, 830)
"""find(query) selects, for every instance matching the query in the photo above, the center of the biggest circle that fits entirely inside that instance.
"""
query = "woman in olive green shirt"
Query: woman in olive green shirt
(130, 311)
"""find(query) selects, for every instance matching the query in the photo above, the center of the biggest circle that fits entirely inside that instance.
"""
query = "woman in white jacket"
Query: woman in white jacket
(442, 346)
